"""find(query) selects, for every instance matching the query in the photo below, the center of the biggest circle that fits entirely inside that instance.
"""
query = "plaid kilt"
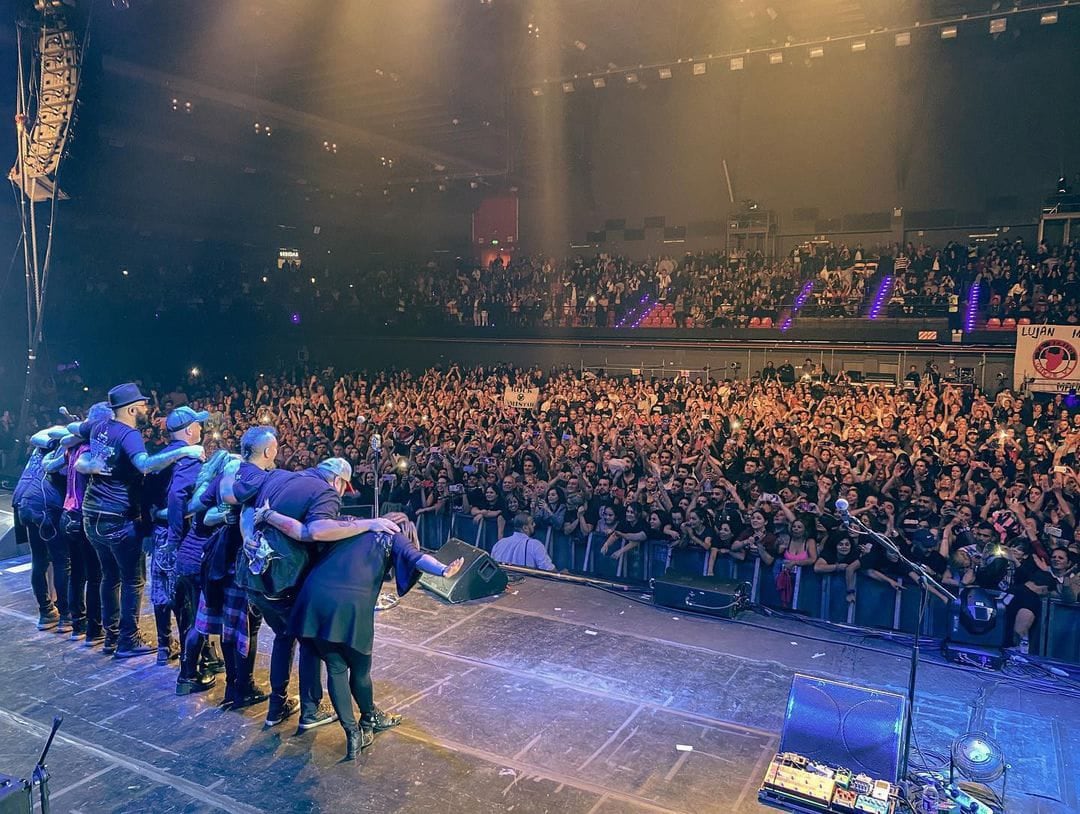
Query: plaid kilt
(210, 618)
(235, 629)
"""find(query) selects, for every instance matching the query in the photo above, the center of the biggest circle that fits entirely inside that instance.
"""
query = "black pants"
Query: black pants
(276, 612)
(84, 587)
(40, 529)
(123, 573)
(348, 674)
(186, 604)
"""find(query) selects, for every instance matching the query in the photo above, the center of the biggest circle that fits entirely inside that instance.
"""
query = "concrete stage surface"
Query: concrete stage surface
(552, 698)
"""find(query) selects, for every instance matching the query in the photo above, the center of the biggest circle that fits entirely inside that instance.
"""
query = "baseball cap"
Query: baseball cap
(183, 416)
(340, 468)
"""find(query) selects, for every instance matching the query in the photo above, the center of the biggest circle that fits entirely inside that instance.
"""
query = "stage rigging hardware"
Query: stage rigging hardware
(43, 123)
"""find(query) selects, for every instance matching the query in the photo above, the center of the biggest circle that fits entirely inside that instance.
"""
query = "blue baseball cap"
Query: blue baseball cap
(183, 416)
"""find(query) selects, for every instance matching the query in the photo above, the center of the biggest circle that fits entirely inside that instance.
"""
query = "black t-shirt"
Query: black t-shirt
(117, 445)
(303, 496)
(248, 481)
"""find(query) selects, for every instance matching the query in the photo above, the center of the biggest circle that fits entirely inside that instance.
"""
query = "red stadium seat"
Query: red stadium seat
(755, 322)
(1023, 321)
(766, 322)
(993, 323)
(1009, 324)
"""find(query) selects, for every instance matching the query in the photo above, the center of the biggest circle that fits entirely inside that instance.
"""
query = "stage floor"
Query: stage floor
(552, 698)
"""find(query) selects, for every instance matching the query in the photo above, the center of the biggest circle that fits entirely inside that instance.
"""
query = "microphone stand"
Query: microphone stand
(926, 582)
(376, 450)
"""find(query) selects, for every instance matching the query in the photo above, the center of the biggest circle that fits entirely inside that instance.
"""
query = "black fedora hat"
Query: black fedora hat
(124, 394)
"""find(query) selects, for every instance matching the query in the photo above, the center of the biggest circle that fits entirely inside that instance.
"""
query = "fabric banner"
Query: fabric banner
(524, 398)
(1047, 358)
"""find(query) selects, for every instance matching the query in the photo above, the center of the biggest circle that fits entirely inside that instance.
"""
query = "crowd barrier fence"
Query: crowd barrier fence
(821, 596)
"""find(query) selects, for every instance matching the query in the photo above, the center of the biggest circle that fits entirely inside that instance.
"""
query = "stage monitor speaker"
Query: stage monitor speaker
(716, 597)
(977, 617)
(845, 725)
(480, 576)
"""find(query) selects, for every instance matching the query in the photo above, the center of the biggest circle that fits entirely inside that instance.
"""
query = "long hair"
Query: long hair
(213, 467)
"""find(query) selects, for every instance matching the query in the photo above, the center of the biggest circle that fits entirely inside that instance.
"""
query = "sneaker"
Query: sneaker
(381, 721)
(138, 646)
(167, 654)
(49, 620)
(278, 712)
(64, 625)
(321, 717)
(110, 646)
(78, 630)
(186, 686)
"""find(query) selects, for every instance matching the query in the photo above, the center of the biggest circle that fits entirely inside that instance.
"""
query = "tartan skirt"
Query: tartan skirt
(223, 610)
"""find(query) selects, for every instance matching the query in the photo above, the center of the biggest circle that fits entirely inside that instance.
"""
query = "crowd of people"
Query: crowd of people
(689, 475)
(710, 289)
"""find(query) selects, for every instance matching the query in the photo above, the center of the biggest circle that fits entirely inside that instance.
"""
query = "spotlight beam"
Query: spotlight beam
(299, 120)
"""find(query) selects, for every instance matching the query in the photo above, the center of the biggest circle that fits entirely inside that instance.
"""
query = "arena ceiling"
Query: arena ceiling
(365, 95)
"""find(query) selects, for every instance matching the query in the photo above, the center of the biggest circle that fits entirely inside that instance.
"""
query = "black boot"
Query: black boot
(357, 740)
(381, 721)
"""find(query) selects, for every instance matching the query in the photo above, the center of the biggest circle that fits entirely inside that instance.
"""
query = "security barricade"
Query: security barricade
(1062, 631)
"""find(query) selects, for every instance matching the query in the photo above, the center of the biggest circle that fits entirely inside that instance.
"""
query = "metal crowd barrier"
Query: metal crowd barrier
(821, 596)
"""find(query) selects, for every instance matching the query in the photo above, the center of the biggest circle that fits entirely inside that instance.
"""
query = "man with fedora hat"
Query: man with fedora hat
(116, 463)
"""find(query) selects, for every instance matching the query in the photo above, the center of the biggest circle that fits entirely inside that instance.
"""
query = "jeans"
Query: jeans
(40, 529)
(276, 612)
(123, 573)
(84, 594)
(348, 678)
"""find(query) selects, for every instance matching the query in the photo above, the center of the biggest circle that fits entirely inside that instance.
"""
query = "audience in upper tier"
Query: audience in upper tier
(703, 290)
(979, 487)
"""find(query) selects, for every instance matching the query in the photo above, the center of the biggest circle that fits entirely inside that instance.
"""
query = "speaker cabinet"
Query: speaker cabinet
(480, 576)
(845, 725)
(716, 597)
(14, 796)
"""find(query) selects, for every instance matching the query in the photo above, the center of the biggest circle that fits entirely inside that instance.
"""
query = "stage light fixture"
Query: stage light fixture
(948, 32)
(631, 78)
(1048, 18)
(902, 39)
(537, 91)
(978, 757)
(568, 87)
(580, 45)
(817, 52)
(858, 46)
(699, 69)
(776, 58)
(736, 64)
(599, 82)
(665, 73)
(998, 25)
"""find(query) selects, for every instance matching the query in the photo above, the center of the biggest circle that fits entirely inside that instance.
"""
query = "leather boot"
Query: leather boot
(357, 740)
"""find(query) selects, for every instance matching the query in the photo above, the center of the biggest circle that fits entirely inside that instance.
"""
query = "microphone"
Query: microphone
(842, 510)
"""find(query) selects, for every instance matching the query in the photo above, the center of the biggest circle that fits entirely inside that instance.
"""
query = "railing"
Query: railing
(822, 596)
